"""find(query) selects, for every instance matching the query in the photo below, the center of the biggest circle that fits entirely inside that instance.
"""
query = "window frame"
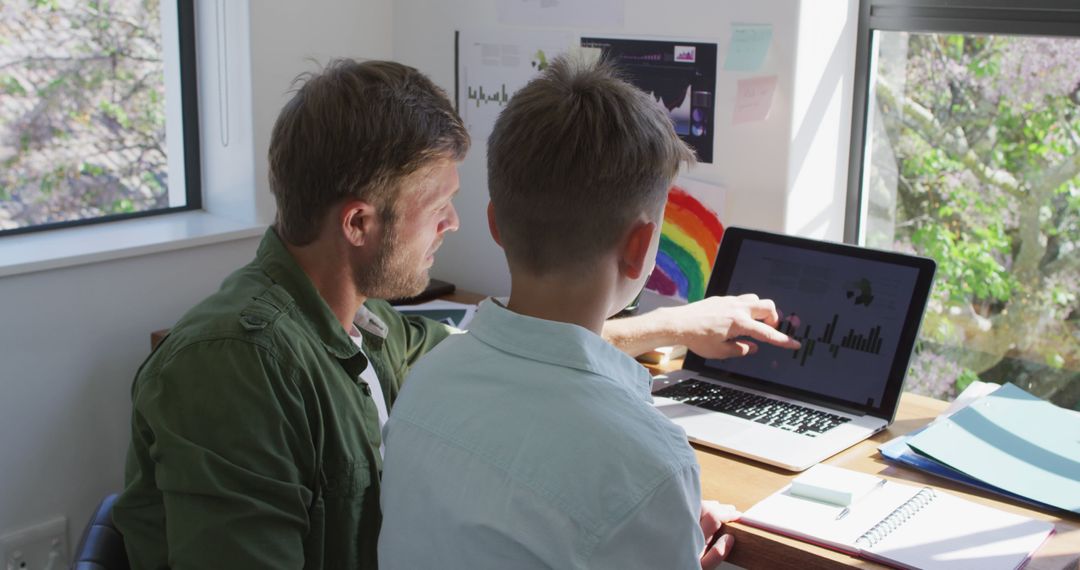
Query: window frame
(189, 127)
(1014, 17)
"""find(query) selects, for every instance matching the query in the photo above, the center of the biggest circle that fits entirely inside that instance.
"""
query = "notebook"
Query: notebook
(857, 313)
(906, 526)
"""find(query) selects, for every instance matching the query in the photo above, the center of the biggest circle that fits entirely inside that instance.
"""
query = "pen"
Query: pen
(847, 509)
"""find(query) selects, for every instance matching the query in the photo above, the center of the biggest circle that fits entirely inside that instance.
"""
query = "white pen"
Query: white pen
(847, 509)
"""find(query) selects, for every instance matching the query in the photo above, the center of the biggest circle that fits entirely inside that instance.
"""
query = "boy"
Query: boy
(531, 442)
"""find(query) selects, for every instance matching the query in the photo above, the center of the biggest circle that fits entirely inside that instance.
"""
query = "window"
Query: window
(966, 148)
(98, 119)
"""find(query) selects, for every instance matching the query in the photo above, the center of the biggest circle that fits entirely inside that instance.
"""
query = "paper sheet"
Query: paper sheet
(679, 75)
(493, 65)
(753, 99)
(748, 46)
(447, 312)
(689, 240)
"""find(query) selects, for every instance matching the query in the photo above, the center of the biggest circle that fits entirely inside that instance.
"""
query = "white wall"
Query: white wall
(772, 169)
(821, 119)
(71, 339)
(289, 38)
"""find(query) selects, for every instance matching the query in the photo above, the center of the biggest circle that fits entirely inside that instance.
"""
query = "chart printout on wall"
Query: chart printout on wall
(679, 75)
(493, 65)
(689, 239)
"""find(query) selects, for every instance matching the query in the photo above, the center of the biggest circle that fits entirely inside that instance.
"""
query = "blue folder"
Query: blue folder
(897, 451)
(1009, 442)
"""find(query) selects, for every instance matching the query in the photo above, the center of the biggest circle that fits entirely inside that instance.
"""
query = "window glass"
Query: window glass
(83, 111)
(971, 156)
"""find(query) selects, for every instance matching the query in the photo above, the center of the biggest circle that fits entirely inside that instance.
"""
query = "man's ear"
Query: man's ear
(356, 219)
(635, 248)
(494, 229)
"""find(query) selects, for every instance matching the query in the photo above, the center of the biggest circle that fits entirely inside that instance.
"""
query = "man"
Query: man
(256, 422)
(549, 452)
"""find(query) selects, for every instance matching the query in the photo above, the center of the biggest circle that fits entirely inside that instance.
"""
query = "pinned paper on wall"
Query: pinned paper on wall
(748, 47)
(679, 75)
(562, 13)
(689, 239)
(753, 99)
(494, 64)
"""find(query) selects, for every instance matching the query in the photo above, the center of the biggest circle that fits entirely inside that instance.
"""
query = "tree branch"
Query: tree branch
(923, 122)
(1060, 173)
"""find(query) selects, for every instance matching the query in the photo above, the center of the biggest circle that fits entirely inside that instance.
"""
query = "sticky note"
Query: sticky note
(748, 46)
(753, 99)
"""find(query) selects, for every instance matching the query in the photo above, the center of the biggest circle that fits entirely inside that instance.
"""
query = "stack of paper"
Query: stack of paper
(447, 312)
(1006, 441)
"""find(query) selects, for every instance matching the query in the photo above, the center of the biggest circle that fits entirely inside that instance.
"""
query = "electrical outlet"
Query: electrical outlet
(39, 547)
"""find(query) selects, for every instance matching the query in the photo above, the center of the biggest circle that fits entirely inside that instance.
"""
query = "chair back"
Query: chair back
(101, 546)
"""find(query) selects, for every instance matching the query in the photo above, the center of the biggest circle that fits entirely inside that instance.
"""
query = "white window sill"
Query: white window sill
(54, 249)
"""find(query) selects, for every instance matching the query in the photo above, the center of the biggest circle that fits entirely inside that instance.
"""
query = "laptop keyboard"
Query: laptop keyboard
(760, 409)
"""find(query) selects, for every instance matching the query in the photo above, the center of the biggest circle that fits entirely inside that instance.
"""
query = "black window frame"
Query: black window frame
(189, 102)
(1014, 17)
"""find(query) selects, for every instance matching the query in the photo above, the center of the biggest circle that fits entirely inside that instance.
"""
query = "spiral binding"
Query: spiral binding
(896, 518)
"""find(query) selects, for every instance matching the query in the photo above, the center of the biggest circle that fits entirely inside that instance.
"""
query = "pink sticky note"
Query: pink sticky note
(753, 99)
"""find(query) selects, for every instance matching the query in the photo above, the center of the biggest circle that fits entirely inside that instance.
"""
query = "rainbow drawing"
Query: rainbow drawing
(689, 240)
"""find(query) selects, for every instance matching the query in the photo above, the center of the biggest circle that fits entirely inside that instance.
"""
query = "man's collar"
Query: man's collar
(276, 261)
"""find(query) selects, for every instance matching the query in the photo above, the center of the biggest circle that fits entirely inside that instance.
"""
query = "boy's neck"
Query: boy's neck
(580, 301)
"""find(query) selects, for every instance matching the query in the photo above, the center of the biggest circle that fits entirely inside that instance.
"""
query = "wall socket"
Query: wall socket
(39, 547)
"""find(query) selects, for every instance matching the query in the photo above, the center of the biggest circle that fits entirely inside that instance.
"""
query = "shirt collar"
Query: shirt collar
(276, 261)
(561, 344)
(370, 322)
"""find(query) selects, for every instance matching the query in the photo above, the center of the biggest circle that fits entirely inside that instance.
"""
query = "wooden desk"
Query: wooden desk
(743, 482)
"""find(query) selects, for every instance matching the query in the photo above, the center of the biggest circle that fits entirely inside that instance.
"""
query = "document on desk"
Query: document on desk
(907, 526)
(898, 450)
(1014, 441)
(447, 312)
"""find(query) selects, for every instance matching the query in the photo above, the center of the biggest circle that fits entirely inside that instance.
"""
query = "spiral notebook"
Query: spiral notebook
(906, 526)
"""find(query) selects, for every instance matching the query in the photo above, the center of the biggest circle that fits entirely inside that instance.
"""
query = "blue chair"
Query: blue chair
(101, 546)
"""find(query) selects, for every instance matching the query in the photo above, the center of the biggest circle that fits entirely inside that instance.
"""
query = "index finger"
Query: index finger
(760, 331)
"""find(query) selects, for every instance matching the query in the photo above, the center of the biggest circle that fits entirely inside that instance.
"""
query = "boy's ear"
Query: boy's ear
(356, 219)
(635, 248)
(491, 224)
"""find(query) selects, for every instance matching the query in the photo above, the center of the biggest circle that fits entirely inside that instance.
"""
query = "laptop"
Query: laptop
(856, 312)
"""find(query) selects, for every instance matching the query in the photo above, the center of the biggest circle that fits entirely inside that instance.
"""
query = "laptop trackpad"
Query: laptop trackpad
(699, 421)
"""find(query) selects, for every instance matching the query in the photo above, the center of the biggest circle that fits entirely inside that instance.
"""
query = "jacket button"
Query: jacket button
(252, 323)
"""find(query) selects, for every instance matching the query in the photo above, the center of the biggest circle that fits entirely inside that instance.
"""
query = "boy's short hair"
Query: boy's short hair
(356, 130)
(575, 156)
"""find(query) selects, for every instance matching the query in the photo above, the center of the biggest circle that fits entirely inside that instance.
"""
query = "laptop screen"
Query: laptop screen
(856, 312)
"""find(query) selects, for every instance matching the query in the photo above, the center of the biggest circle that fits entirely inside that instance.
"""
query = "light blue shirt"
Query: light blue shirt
(529, 443)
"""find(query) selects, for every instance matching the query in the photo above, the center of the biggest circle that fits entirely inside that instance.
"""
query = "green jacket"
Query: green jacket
(253, 444)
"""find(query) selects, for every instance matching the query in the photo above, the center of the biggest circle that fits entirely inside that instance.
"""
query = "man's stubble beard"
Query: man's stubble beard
(390, 275)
